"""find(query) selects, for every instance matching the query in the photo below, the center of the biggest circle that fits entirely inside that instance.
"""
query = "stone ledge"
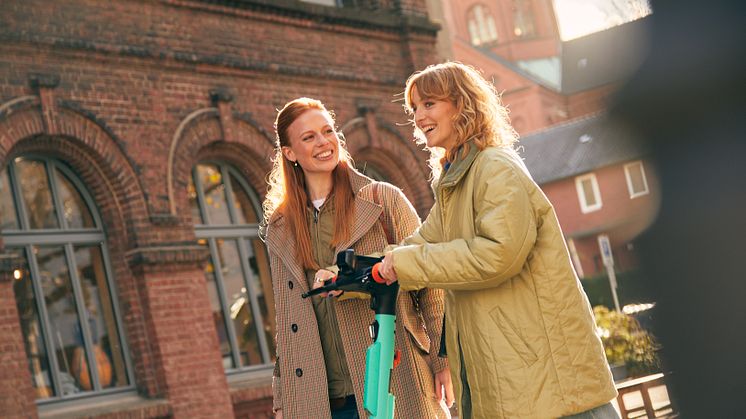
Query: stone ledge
(168, 254)
(115, 408)
(252, 389)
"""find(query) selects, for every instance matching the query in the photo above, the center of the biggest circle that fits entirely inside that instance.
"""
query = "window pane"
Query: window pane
(8, 219)
(590, 197)
(106, 341)
(67, 339)
(212, 184)
(36, 194)
(636, 178)
(239, 306)
(245, 213)
(193, 203)
(217, 312)
(33, 340)
(473, 32)
(74, 208)
(262, 286)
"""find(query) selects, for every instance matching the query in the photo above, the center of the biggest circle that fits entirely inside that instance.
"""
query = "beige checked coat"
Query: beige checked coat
(300, 383)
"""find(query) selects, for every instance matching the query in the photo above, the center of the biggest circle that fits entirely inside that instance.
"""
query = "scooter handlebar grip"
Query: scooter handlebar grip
(377, 275)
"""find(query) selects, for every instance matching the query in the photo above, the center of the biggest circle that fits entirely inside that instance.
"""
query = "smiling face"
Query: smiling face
(313, 142)
(434, 119)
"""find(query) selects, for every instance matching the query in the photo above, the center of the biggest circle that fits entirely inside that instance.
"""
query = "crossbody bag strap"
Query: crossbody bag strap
(392, 240)
(381, 218)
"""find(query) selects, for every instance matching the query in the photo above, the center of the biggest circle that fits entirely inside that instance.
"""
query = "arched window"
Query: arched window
(481, 25)
(523, 19)
(225, 212)
(64, 293)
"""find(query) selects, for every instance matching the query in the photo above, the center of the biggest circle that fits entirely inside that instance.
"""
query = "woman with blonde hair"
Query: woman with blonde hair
(520, 334)
(317, 205)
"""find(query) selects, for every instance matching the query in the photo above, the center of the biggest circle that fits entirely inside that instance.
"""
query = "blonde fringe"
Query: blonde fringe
(480, 119)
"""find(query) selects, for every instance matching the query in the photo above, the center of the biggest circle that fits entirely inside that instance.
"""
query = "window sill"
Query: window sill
(111, 407)
(251, 387)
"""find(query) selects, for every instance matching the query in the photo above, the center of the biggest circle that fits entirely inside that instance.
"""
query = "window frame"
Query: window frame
(484, 27)
(584, 207)
(25, 239)
(242, 234)
(630, 187)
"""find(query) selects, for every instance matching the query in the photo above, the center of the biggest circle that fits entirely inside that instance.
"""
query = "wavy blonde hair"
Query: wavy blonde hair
(286, 189)
(480, 117)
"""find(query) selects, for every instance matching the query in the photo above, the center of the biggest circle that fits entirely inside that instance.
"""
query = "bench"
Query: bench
(648, 408)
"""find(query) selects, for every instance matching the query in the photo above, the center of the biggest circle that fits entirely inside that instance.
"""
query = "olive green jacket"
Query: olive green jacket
(519, 328)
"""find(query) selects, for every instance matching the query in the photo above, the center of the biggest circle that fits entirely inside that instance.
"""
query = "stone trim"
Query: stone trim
(167, 254)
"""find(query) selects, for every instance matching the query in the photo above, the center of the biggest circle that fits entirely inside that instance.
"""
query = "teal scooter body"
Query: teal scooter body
(360, 274)
(379, 362)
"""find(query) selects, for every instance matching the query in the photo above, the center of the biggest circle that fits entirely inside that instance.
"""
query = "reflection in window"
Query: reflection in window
(237, 275)
(523, 19)
(65, 302)
(37, 195)
(7, 211)
(481, 25)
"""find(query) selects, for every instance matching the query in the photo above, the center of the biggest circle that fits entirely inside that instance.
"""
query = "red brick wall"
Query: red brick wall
(620, 217)
(132, 94)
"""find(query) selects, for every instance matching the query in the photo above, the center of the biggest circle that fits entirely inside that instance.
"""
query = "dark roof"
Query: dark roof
(578, 147)
(604, 57)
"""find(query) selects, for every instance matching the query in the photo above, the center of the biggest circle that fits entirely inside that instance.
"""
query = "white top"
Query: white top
(318, 202)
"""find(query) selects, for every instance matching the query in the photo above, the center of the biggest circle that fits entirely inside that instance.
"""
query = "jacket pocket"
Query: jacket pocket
(513, 336)
(411, 319)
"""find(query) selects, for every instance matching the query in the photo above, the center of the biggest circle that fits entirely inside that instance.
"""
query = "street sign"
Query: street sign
(608, 258)
(605, 246)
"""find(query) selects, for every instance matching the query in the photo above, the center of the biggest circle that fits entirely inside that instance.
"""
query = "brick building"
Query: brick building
(557, 91)
(135, 137)
(601, 182)
(543, 79)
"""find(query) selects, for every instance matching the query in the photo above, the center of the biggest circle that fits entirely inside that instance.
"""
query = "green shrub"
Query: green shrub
(632, 288)
(625, 342)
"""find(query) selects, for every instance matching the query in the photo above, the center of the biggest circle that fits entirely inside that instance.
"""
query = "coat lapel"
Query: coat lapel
(285, 250)
(367, 212)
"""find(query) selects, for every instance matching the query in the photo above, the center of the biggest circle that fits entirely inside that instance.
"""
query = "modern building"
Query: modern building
(135, 139)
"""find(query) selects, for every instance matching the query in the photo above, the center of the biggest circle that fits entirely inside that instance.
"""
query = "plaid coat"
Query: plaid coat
(300, 383)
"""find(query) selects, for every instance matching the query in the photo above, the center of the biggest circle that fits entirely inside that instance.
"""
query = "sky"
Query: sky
(581, 17)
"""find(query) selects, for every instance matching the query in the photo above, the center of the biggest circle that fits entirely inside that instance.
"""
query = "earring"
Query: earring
(295, 163)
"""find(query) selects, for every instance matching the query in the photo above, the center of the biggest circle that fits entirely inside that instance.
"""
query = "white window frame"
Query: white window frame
(632, 193)
(584, 207)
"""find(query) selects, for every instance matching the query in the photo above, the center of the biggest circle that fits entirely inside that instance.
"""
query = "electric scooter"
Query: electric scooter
(360, 274)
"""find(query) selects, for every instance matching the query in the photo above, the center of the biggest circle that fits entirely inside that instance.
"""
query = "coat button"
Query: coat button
(294, 327)
(298, 372)
(290, 284)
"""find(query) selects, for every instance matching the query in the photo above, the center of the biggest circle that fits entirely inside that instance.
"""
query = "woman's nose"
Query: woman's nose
(419, 116)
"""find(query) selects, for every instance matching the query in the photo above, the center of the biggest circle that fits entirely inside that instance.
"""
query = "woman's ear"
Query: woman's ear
(288, 153)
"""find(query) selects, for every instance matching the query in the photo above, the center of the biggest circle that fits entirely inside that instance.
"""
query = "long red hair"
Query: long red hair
(286, 190)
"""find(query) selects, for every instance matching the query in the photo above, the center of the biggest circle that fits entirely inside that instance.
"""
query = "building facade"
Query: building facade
(601, 183)
(135, 140)
(557, 92)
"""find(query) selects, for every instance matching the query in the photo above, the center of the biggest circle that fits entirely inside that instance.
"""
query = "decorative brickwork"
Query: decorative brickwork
(131, 95)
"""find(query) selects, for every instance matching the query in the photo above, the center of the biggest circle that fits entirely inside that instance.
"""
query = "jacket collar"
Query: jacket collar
(366, 215)
(366, 211)
(460, 166)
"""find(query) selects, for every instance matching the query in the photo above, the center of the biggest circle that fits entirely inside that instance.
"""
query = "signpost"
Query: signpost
(608, 259)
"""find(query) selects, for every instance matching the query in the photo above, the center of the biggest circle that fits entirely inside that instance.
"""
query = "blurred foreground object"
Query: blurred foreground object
(687, 102)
